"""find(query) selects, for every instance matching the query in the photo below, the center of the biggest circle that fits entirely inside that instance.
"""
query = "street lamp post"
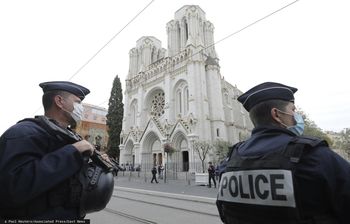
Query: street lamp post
(165, 168)
(167, 149)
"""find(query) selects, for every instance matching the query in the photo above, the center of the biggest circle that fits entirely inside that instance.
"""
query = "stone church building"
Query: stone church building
(177, 96)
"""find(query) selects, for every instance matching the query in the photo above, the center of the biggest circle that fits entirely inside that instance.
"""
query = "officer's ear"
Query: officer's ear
(58, 100)
(275, 114)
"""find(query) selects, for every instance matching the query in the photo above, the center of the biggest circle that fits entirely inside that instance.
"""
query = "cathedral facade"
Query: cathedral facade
(177, 96)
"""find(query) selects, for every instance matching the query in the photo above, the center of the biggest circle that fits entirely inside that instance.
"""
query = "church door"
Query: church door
(185, 162)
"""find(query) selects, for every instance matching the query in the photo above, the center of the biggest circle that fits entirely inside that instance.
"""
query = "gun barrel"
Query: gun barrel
(111, 164)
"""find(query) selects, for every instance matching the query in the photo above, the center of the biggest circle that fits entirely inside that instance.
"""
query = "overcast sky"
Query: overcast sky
(306, 45)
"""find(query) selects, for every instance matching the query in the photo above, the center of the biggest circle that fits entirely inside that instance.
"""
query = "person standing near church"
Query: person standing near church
(211, 172)
(160, 171)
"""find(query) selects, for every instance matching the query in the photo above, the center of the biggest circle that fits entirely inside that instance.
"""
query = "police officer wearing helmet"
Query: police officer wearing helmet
(38, 166)
(278, 175)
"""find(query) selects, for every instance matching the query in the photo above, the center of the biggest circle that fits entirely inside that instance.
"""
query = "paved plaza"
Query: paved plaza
(187, 187)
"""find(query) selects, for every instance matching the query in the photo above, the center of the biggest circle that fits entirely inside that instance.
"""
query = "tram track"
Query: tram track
(128, 216)
(198, 199)
(194, 199)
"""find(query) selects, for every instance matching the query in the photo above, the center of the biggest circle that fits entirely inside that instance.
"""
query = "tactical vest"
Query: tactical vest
(89, 190)
(263, 189)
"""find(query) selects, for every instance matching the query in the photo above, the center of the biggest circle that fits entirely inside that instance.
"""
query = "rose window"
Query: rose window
(157, 107)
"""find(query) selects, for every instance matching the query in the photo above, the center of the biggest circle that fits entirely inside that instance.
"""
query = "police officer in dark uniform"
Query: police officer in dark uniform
(38, 170)
(278, 175)
(211, 174)
(154, 175)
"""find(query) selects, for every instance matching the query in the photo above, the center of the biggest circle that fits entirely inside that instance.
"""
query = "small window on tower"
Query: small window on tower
(218, 132)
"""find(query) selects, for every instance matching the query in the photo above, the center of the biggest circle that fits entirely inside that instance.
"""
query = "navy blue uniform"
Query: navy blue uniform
(35, 173)
(154, 175)
(323, 177)
(211, 172)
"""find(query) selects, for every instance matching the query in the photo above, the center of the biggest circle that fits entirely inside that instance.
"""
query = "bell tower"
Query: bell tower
(148, 50)
(190, 27)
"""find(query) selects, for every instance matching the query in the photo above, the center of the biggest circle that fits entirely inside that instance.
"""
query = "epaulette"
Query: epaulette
(297, 145)
(308, 140)
(232, 148)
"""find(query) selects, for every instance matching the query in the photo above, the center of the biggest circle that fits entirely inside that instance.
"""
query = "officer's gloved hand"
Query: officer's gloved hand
(84, 147)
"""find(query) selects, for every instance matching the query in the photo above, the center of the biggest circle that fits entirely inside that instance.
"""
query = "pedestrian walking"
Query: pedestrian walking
(154, 174)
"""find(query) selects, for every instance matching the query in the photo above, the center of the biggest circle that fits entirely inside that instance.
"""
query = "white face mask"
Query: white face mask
(77, 113)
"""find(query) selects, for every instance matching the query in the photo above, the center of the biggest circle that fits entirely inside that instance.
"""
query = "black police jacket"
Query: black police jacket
(35, 174)
(321, 175)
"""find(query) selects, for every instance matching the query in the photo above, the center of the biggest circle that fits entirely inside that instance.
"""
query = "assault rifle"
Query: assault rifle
(112, 165)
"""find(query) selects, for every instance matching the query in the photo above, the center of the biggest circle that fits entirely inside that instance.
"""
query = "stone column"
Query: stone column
(137, 152)
(191, 153)
(122, 154)
(182, 35)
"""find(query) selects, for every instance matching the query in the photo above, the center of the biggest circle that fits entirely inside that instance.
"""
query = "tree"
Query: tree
(202, 148)
(168, 148)
(115, 118)
(311, 129)
(345, 140)
(221, 149)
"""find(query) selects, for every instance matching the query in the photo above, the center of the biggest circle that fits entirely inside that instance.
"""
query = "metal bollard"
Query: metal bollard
(188, 179)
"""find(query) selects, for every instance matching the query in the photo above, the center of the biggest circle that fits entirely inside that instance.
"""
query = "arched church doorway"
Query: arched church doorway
(129, 155)
(151, 148)
(180, 157)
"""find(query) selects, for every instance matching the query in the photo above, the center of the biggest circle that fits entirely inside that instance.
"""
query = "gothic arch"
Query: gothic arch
(151, 146)
(177, 139)
(148, 142)
(133, 112)
(185, 27)
(181, 97)
(129, 152)
(180, 157)
(178, 38)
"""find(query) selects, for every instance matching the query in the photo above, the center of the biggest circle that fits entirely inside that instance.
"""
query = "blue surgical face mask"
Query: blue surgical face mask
(298, 128)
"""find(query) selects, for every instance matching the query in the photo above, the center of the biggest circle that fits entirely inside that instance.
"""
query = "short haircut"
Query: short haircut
(48, 98)
(260, 114)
